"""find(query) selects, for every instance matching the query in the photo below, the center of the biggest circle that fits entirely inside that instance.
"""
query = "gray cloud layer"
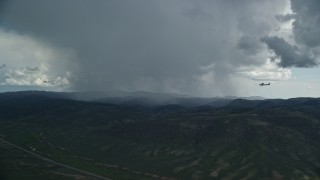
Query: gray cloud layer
(161, 45)
(307, 22)
(306, 32)
(289, 55)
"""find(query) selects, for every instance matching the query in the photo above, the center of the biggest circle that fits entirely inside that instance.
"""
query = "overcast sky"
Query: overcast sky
(195, 47)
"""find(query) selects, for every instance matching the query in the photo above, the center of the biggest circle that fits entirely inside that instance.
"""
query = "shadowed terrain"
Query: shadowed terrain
(237, 139)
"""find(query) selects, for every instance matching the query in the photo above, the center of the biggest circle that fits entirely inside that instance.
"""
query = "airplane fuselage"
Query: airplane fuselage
(263, 84)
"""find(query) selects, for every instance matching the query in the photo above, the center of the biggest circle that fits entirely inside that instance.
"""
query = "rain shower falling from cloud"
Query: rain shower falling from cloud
(188, 46)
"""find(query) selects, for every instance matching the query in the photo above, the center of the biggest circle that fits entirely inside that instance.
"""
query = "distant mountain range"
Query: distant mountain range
(157, 100)
(131, 98)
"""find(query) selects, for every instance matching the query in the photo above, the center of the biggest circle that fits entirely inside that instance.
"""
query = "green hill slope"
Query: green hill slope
(278, 141)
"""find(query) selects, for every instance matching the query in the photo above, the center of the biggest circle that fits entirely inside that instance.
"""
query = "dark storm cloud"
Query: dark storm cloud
(289, 55)
(158, 45)
(306, 26)
(116, 42)
(249, 44)
(306, 33)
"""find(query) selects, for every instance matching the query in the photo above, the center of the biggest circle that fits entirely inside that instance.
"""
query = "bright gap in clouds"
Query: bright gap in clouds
(30, 62)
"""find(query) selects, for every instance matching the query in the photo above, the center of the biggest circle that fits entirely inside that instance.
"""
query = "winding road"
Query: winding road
(54, 162)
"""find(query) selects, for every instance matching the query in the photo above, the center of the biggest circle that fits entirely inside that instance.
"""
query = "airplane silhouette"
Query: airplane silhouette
(263, 84)
(46, 81)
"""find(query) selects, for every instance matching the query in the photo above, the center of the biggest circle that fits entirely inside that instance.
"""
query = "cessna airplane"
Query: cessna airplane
(263, 84)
